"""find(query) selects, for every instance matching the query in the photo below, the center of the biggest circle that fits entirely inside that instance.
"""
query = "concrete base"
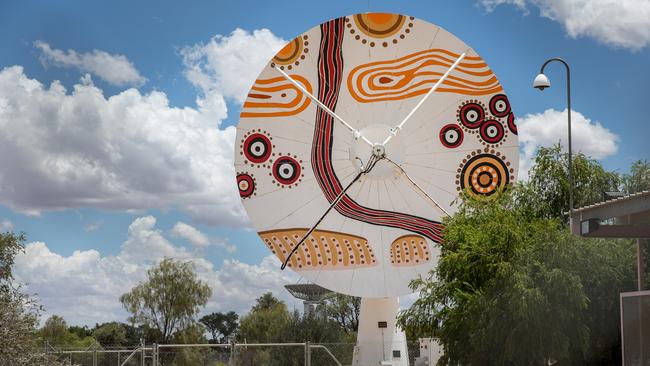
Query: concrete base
(379, 340)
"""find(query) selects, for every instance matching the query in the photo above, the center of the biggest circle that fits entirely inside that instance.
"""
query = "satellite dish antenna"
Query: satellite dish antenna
(352, 146)
(311, 295)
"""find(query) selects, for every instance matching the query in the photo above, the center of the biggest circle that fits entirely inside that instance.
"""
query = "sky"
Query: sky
(118, 125)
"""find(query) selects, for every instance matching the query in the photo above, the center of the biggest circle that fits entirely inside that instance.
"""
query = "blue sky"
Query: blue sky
(84, 228)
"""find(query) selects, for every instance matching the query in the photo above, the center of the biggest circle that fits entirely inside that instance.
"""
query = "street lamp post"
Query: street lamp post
(542, 82)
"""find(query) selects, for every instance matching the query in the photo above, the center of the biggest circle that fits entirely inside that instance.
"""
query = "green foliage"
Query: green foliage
(19, 316)
(638, 179)
(192, 334)
(220, 325)
(10, 245)
(19, 312)
(315, 329)
(344, 310)
(270, 322)
(548, 184)
(265, 322)
(266, 301)
(521, 289)
(81, 331)
(111, 334)
(55, 333)
(168, 300)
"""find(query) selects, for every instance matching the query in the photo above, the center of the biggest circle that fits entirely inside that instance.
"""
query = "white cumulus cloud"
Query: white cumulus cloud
(198, 239)
(85, 286)
(191, 234)
(6, 225)
(131, 151)
(66, 149)
(230, 63)
(550, 127)
(114, 69)
(619, 23)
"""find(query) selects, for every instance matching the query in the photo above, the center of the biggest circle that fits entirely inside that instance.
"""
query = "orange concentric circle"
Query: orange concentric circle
(379, 25)
(484, 174)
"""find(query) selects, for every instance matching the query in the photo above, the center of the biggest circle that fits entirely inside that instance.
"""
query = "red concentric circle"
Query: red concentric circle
(471, 115)
(492, 131)
(257, 148)
(286, 170)
(451, 136)
(246, 185)
(511, 123)
(499, 105)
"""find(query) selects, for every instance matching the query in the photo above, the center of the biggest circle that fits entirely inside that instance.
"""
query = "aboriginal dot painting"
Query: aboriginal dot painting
(294, 159)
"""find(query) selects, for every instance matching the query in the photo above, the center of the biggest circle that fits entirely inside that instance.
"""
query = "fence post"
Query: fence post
(155, 354)
(231, 362)
(307, 354)
(95, 357)
(142, 352)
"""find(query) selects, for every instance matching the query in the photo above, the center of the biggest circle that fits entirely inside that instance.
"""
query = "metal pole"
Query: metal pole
(568, 97)
(231, 361)
(307, 354)
(639, 265)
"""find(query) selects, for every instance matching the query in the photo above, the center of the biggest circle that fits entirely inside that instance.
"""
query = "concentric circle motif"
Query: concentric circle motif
(483, 174)
(492, 131)
(379, 29)
(511, 123)
(246, 184)
(451, 135)
(471, 115)
(499, 105)
(286, 171)
(257, 148)
(292, 53)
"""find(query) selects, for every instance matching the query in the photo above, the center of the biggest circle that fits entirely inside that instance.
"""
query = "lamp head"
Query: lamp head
(541, 82)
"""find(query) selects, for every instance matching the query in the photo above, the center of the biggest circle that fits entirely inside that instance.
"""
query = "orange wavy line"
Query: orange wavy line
(290, 105)
(370, 72)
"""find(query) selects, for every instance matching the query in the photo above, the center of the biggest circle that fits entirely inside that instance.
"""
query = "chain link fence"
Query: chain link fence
(137, 356)
(240, 354)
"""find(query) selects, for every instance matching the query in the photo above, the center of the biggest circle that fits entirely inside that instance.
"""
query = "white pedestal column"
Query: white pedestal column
(379, 340)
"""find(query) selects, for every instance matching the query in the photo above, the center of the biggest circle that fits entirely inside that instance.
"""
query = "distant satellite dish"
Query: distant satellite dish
(308, 291)
(311, 295)
(356, 139)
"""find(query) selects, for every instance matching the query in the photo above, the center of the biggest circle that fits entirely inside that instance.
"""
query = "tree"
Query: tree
(81, 331)
(55, 331)
(265, 322)
(344, 309)
(638, 179)
(220, 325)
(10, 245)
(314, 329)
(110, 334)
(169, 299)
(266, 301)
(192, 334)
(548, 185)
(522, 290)
(269, 321)
(19, 313)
